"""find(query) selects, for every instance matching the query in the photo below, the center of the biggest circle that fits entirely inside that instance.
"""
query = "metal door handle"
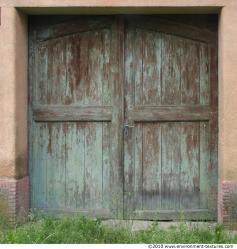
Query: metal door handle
(126, 126)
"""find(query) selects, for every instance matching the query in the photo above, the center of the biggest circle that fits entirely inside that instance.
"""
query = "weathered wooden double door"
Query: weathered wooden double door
(123, 116)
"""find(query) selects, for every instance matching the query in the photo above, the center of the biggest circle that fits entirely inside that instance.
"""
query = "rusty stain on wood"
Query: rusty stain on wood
(169, 77)
(71, 160)
(91, 75)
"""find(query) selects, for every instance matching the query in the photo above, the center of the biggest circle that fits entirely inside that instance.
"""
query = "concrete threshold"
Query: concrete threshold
(138, 225)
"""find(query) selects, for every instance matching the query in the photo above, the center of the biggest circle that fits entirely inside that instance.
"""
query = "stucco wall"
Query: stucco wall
(13, 72)
(13, 93)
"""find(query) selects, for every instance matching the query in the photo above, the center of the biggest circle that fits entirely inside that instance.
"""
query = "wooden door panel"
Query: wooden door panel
(170, 84)
(72, 166)
(165, 166)
(169, 70)
(74, 70)
(74, 160)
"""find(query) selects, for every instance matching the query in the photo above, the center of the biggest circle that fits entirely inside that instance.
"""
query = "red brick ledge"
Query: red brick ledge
(14, 196)
(227, 204)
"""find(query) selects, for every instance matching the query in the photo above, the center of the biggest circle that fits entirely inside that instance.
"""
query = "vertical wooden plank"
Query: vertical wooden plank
(74, 156)
(131, 66)
(138, 44)
(39, 166)
(204, 74)
(189, 173)
(117, 68)
(72, 67)
(82, 77)
(35, 166)
(40, 89)
(190, 72)
(106, 87)
(151, 68)
(106, 171)
(39, 174)
(205, 164)
(98, 171)
(171, 74)
(129, 172)
(129, 90)
(56, 75)
(151, 166)
(213, 57)
(93, 165)
(171, 159)
(138, 167)
(94, 84)
(55, 165)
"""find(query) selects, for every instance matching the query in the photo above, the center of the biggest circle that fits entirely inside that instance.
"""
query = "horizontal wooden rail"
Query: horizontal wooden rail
(187, 214)
(72, 113)
(170, 113)
(97, 212)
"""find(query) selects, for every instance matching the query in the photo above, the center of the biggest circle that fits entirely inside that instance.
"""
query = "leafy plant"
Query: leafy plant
(43, 228)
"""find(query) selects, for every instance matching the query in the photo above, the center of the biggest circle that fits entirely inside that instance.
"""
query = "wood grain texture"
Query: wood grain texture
(89, 76)
(75, 166)
(152, 166)
(55, 161)
(129, 87)
(172, 215)
(170, 91)
(152, 48)
(138, 168)
(174, 113)
(170, 24)
(93, 166)
(190, 162)
(171, 73)
(73, 117)
(72, 113)
(190, 72)
(69, 27)
(171, 161)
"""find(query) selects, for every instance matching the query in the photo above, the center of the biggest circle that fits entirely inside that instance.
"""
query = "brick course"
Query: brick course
(15, 194)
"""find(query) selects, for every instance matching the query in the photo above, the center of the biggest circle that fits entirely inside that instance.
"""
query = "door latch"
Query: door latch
(126, 126)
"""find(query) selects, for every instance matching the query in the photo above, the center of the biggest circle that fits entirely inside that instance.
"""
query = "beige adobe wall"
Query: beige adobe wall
(228, 92)
(228, 114)
(13, 73)
(14, 199)
(13, 93)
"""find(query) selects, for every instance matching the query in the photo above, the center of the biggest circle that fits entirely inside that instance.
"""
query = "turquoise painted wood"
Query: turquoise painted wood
(91, 76)
(72, 167)
(170, 82)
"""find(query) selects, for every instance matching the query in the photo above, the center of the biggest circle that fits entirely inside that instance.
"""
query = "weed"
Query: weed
(76, 229)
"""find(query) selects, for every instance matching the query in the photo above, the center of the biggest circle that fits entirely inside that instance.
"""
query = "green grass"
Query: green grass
(82, 230)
